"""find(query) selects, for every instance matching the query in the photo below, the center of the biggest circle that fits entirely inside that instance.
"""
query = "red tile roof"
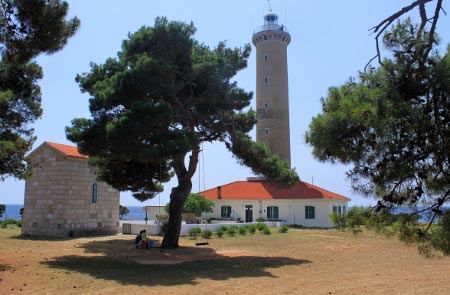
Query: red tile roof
(263, 189)
(68, 150)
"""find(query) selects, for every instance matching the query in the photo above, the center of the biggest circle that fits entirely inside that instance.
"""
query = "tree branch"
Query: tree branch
(383, 25)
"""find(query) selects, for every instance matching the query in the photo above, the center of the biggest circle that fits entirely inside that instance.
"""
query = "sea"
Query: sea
(13, 211)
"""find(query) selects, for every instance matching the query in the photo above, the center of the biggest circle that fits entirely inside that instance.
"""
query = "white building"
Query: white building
(303, 204)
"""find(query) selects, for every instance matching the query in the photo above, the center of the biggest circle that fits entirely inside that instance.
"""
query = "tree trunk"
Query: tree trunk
(178, 197)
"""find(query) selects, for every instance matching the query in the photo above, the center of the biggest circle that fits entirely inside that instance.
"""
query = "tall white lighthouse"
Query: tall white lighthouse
(272, 95)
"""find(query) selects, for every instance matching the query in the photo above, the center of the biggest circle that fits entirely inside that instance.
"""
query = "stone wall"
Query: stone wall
(58, 199)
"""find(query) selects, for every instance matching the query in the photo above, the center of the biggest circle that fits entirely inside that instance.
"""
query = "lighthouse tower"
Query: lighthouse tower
(272, 96)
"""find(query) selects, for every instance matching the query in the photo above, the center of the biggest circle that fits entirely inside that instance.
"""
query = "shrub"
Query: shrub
(261, 226)
(9, 221)
(219, 233)
(266, 231)
(193, 232)
(252, 229)
(441, 234)
(232, 230)
(223, 227)
(206, 234)
(243, 230)
(283, 229)
(260, 220)
(338, 220)
(163, 221)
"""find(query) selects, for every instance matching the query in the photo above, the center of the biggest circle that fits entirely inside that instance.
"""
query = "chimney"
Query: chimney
(219, 192)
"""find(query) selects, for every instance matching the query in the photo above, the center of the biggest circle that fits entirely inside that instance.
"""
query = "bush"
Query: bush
(242, 230)
(252, 229)
(223, 228)
(283, 229)
(10, 221)
(232, 230)
(219, 233)
(260, 220)
(266, 231)
(261, 226)
(206, 234)
(440, 236)
(338, 220)
(163, 220)
(193, 232)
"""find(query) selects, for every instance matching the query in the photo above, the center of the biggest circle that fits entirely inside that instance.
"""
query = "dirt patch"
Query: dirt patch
(298, 262)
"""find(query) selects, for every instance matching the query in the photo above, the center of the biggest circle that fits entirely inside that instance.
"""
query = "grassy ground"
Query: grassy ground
(301, 261)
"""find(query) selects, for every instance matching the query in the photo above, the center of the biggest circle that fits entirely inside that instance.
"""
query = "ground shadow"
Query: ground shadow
(4, 267)
(118, 263)
(51, 239)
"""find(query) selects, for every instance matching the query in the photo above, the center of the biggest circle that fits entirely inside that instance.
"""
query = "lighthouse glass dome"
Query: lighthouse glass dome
(270, 23)
(270, 18)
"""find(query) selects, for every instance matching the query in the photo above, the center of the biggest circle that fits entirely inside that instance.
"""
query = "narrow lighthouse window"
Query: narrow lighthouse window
(266, 131)
(266, 80)
(266, 57)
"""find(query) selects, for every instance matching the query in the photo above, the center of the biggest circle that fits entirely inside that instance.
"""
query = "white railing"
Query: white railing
(272, 27)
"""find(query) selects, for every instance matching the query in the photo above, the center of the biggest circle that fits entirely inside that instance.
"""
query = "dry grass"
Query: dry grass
(298, 262)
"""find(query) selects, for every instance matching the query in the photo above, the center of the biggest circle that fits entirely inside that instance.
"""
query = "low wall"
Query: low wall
(154, 229)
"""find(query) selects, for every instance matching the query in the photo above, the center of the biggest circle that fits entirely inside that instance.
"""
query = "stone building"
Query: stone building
(63, 197)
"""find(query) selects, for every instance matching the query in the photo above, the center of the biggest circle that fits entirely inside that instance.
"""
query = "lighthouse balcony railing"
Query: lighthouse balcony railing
(272, 27)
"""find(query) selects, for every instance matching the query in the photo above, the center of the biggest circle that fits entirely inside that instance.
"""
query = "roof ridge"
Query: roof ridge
(67, 150)
(264, 189)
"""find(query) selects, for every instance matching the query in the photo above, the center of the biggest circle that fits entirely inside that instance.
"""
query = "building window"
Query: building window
(266, 56)
(266, 131)
(272, 212)
(339, 210)
(225, 211)
(310, 212)
(266, 106)
(94, 193)
(344, 210)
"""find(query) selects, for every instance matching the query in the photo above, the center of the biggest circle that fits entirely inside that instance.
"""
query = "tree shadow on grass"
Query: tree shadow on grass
(165, 267)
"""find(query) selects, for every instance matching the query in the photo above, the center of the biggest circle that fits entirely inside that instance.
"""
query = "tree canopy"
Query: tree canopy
(155, 104)
(393, 124)
(2, 209)
(27, 29)
(123, 211)
(196, 204)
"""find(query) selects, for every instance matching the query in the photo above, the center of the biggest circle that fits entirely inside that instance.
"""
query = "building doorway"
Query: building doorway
(248, 213)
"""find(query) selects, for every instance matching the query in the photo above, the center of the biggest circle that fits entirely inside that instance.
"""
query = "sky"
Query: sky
(330, 42)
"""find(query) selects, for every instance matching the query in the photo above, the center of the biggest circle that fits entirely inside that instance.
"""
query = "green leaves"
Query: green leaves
(392, 125)
(27, 28)
(257, 156)
(162, 96)
(30, 27)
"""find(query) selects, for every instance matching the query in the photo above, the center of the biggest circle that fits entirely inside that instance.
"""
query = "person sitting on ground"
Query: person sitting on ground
(144, 239)
(137, 240)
